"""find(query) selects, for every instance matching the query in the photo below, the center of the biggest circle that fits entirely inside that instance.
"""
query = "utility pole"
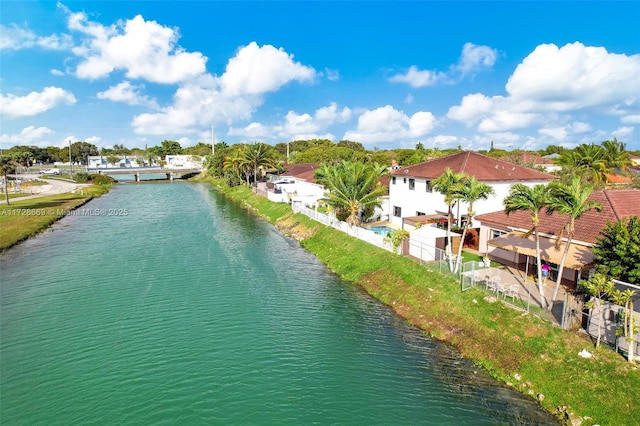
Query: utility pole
(213, 142)
(70, 162)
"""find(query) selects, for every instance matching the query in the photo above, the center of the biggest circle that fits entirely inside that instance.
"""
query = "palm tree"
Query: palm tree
(445, 184)
(7, 167)
(235, 165)
(524, 198)
(616, 155)
(469, 190)
(587, 161)
(258, 155)
(353, 187)
(572, 200)
(625, 298)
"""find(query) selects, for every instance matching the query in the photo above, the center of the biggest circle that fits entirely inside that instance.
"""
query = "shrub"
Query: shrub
(81, 177)
(98, 179)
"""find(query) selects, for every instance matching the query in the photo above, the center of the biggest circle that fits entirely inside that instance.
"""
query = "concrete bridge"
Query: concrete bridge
(137, 171)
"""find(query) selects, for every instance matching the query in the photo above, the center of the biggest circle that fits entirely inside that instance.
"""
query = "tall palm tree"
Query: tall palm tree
(573, 200)
(353, 187)
(532, 200)
(7, 167)
(446, 184)
(469, 190)
(258, 155)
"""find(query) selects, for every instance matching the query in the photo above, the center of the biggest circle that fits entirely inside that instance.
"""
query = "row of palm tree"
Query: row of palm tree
(594, 163)
(458, 187)
(570, 199)
(248, 161)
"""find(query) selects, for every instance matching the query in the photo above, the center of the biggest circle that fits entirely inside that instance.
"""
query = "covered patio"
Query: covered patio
(514, 248)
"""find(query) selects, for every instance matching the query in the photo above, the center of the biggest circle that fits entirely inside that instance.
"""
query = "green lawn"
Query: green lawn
(25, 218)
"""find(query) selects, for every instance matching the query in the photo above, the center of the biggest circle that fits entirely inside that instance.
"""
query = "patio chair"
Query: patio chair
(501, 290)
(513, 291)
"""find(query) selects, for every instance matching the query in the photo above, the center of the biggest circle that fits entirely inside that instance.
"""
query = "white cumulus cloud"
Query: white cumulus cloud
(30, 135)
(143, 49)
(129, 94)
(386, 124)
(35, 102)
(258, 70)
(576, 76)
(417, 78)
(552, 83)
(13, 37)
(249, 77)
(474, 58)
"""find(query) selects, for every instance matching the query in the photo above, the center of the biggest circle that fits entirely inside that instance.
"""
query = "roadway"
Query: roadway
(52, 187)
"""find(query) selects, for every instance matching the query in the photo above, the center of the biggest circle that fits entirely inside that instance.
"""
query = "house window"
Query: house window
(397, 211)
(429, 189)
(404, 180)
(393, 180)
(495, 233)
(412, 184)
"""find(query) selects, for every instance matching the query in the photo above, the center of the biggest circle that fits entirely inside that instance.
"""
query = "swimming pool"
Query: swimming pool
(381, 230)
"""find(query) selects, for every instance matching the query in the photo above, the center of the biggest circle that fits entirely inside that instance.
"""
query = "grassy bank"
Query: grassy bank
(532, 356)
(23, 219)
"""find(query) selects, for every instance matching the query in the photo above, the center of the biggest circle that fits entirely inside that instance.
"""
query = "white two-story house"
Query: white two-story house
(411, 194)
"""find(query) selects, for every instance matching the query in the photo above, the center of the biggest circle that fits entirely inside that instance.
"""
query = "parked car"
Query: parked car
(50, 172)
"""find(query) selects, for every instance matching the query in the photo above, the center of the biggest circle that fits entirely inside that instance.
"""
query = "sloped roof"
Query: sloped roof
(616, 204)
(301, 171)
(484, 168)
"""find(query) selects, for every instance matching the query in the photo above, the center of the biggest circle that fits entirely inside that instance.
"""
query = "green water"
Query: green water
(188, 310)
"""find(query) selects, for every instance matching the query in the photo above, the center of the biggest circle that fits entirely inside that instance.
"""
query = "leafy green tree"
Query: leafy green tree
(532, 200)
(355, 146)
(446, 184)
(598, 287)
(7, 167)
(573, 200)
(121, 149)
(396, 238)
(170, 148)
(469, 190)
(617, 252)
(80, 151)
(112, 159)
(352, 188)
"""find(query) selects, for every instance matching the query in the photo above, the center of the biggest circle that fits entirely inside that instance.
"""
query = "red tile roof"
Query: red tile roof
(484, 168)
(616, 204)
(301, 171)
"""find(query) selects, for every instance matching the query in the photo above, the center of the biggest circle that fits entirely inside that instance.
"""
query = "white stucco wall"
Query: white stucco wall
(419, 200)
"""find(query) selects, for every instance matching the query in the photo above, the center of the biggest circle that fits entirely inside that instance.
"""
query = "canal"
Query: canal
(168, 304)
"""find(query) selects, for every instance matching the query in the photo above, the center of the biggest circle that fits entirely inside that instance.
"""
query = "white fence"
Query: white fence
(355, 231)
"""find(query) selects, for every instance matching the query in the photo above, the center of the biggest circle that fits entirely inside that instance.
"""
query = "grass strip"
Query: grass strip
(23, 219)
(533, 356)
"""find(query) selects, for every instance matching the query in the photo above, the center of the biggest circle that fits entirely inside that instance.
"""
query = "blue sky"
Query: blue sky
(386, 74)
